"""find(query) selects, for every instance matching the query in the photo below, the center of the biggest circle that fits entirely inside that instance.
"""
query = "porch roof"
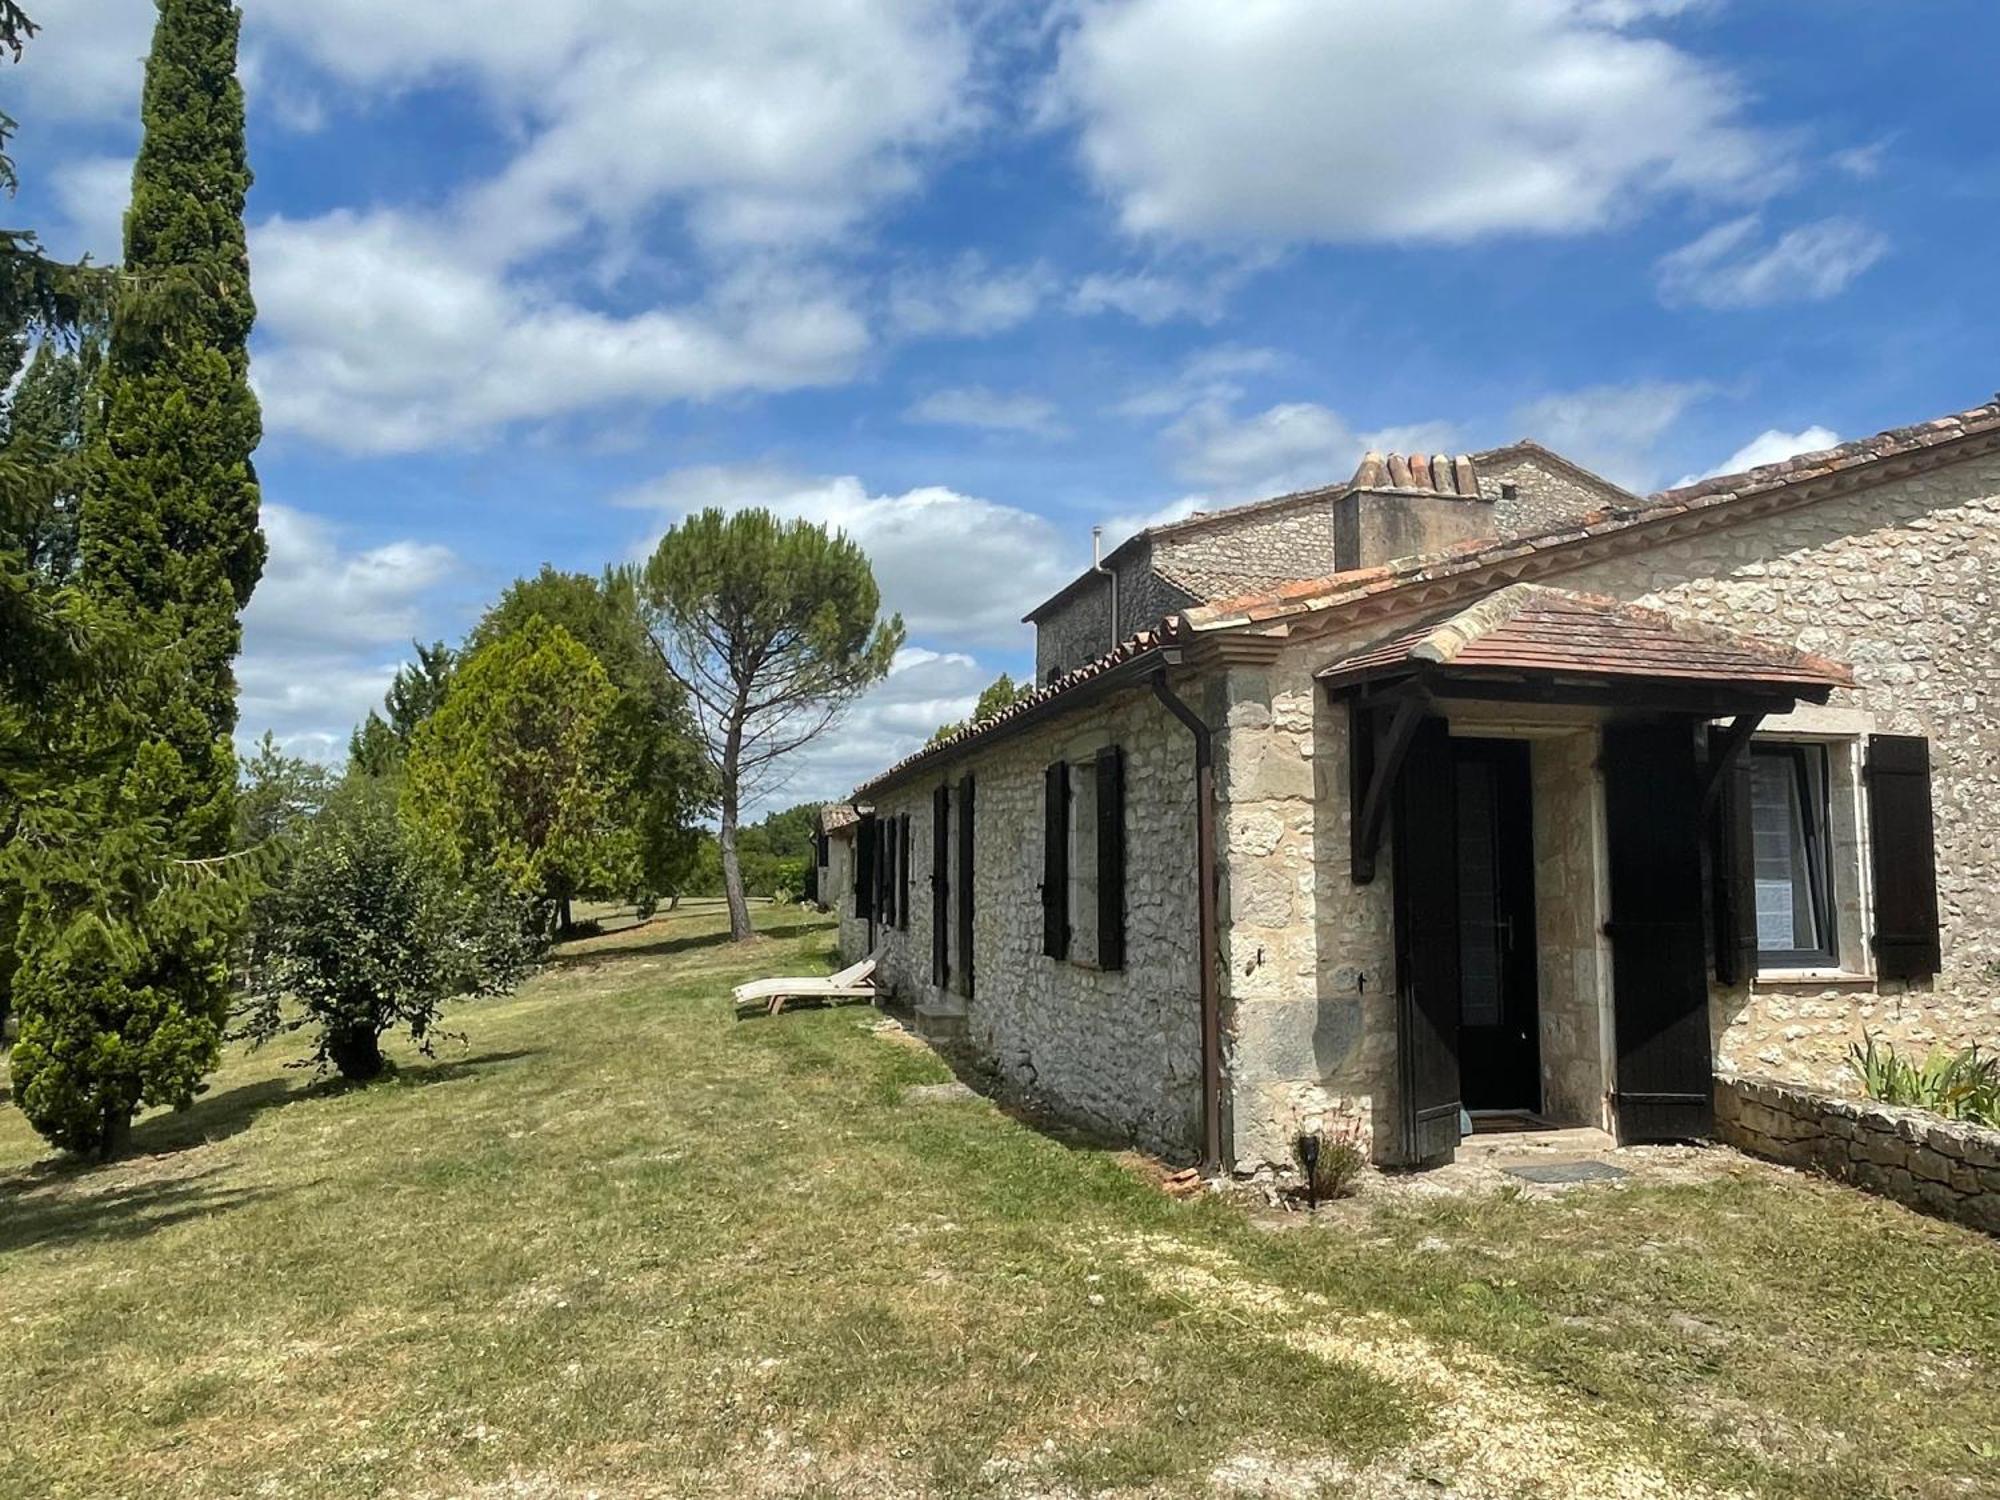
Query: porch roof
(1527, 631)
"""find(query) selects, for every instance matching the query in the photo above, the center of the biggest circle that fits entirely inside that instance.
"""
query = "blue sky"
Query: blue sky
(538, 276)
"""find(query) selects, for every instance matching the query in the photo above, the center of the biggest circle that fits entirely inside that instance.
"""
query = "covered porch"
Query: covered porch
(1548, 780)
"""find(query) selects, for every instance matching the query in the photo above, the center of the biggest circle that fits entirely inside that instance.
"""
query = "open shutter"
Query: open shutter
(1905, 857)
(940, 884)
(1427, 938)
(1055, 860)
(1732, 863)
(864, 868)
(903, 872)
(965, 887)
(1659, 967)
(1111, 858)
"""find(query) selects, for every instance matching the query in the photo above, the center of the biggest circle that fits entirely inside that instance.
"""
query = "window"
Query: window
(1083, 860)
(1790, 818)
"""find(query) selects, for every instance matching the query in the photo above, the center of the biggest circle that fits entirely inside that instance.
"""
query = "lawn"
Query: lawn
(617, 1244)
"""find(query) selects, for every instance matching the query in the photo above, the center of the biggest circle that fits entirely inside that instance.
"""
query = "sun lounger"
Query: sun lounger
(856, 982)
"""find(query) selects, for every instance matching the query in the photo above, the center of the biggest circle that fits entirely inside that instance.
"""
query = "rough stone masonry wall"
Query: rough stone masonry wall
(1120, 1051)
(1902, 582)
(1940, 1166)
(1252, 548)
(1545, 499)
(1308, 956)
(1079, 630)
(1572, 954)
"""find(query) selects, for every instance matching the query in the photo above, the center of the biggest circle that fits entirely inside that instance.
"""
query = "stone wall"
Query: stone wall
(1939, 1166)
(1571, 903)
(1546, 496)
(1255, 546)
(1901, 582)
(1079, 629)
(1119, 1052)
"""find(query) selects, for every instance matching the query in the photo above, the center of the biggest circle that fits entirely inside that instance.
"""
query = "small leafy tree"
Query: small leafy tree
(772, 628)
(372, 929)
(999, 693)
(651, 760)
(508, 772)
(378, 745)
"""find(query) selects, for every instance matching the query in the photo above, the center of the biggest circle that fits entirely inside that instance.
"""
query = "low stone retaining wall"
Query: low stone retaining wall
(1938, 1166)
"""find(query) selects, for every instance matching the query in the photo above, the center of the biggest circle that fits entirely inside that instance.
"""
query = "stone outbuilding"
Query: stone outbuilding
(1474, 789)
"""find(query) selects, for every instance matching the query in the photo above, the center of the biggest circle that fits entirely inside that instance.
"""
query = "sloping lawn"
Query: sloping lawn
(621, 1245)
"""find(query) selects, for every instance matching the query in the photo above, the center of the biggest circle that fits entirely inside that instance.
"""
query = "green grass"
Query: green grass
(622, 1244)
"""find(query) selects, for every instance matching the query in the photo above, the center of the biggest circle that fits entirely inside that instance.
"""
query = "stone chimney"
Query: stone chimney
(1404, 505)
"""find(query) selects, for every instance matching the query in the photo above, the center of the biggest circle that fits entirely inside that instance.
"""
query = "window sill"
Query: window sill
(1816, 978)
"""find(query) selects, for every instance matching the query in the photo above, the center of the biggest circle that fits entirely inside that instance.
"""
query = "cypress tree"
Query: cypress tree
(130, 917)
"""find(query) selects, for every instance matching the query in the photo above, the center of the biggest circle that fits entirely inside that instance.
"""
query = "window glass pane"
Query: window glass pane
(1787, 812)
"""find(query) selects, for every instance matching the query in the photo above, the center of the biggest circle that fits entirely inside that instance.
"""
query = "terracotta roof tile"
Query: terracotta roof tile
(1526, 628)
(1145, 643)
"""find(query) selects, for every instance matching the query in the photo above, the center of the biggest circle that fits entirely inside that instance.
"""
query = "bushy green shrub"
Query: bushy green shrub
(1962, 1085)
(1332, 1162)
(372, 928)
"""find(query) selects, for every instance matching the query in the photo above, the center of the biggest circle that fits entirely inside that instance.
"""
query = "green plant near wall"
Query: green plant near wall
(1963, 1085)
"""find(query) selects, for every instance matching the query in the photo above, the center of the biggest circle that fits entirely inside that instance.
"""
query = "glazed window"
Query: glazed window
(1791, 815)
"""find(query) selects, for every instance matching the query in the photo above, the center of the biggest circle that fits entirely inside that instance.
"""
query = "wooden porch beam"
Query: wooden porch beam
(1372, 773)
(1730, 745)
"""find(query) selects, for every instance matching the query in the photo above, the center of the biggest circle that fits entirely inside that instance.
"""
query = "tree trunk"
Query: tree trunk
(117, 1133)
(568, 918)
(732, 868)
(357, 1053)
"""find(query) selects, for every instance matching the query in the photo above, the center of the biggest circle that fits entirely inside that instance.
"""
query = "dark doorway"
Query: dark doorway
(1499, 1037)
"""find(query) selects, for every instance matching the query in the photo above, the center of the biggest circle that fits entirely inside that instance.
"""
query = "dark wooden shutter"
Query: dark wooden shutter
(1055, 860)
(1732, 863)
(1904, 841)
(1111, 858)
(1659, 966)
(940, 884)
(1427, 937)
(864, 868)
(965, 824)
(903, 872)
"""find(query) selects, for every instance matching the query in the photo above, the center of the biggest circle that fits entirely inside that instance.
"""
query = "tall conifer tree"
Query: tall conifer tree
(127, 928)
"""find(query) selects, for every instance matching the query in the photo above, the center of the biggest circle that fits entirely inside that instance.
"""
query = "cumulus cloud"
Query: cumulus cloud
(386, 338)
(1152, 298)
(1295, 445)
(1439, 120)
(327, 628)
(1734, 265)
(993, 411)
(960, 570)
(924, 689)
(769, 121)
(1614, 430)
(965, 299)
(1770, 447)
(92, 192)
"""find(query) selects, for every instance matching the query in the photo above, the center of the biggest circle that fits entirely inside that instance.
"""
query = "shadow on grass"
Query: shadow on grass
(424, 1075)
(668, 947)
(64, 1209)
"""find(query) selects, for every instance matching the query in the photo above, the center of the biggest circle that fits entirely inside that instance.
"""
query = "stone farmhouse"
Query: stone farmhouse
(1471, 784)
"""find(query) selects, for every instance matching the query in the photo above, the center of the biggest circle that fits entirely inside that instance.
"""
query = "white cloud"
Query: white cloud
(1771, 447)
(1733, 265)
(87, 61)
(1350, 120)
(327, 628)
(1614, 430)
(1213, 376)
(768, 120)
(923, 690)
(994, 411)
(92, 192)
(1296, 445)
(387, 338)
(966, 299)
(960, 570)
(1152, 298)
(1864, 162)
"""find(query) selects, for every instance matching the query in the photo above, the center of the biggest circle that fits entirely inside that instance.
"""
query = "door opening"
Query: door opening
(1499, 1039)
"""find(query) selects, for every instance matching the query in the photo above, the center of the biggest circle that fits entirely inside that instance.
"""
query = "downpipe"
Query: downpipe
(1205, 901)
